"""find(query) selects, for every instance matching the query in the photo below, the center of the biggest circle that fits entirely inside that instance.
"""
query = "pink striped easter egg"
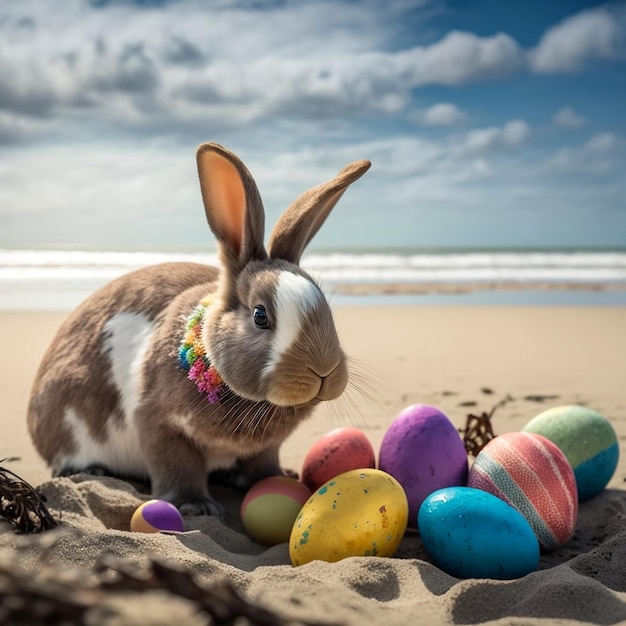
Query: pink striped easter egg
(532, 474)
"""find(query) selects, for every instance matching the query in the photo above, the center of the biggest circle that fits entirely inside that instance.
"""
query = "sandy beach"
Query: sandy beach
(462, 360)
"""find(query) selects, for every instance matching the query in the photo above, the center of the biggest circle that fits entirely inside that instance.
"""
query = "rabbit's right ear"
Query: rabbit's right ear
(306, 214)
(232, 204)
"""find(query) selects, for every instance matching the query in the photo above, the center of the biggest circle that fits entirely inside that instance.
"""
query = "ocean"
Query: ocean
(60, 279)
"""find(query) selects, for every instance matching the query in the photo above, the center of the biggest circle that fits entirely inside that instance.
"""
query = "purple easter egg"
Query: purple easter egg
(424, 452)
(154, 516)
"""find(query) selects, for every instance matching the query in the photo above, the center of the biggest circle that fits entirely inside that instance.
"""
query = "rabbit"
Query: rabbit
(176, 370)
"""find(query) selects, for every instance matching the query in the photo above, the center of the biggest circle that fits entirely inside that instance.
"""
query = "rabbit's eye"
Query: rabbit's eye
(260, 317)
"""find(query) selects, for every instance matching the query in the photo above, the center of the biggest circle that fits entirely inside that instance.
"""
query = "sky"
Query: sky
(488, 123)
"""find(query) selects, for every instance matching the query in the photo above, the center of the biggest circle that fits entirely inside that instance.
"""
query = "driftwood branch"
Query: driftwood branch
(220, 600)
(53, 595)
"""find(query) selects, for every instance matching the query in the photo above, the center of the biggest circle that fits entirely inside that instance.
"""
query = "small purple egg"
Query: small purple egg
(424, 452)
(154, 516)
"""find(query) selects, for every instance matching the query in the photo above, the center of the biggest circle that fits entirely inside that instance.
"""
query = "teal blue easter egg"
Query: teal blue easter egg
(588, 441)
(470, 533)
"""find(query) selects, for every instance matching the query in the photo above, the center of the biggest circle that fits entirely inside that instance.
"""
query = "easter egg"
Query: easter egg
(529, 472)
(424, 452)
(362, 512)
(270, 508)
(588, 441)
(339, 451)
(154, 516)
(469, 533)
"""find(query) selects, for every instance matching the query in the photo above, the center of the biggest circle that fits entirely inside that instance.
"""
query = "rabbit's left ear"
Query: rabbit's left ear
(304, 217)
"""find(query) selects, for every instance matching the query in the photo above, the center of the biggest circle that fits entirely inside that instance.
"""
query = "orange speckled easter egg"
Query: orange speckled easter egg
(339, 451)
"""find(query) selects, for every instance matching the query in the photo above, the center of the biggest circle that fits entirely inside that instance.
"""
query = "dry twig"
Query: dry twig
(478, 431)
(21, 506)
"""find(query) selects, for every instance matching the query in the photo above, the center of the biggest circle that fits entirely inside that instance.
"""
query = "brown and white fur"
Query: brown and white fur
(110, 396)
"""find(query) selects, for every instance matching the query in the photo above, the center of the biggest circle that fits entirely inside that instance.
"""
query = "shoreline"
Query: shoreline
(65, 298)
(40, 279)
(396, 288)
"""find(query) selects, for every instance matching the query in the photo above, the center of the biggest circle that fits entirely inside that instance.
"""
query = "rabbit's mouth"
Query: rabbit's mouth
(307, 387)
(311, 403)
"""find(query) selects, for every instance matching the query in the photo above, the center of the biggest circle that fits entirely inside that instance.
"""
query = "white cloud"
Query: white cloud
(147, 193)
(512, 134)
(598, 155)
(193, 63)
(111, 102)
(601, 142)
(462, 57)
(596, 34)
(418, 191)
(15, 127)
(442, 114)
(569, 118)
(100, 194)
(515, 132)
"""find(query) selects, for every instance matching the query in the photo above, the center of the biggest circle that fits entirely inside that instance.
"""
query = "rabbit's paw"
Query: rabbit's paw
(241, 480)
(231, 477)
(199, 505)
(93, 470)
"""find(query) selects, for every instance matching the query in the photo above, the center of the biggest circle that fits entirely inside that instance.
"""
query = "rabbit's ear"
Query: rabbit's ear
(232, 205)
(304, 217)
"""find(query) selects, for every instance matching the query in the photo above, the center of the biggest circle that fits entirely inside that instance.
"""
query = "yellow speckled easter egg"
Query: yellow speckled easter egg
(362, 512)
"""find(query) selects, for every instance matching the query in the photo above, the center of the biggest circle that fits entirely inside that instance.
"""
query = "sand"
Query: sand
(460, 359)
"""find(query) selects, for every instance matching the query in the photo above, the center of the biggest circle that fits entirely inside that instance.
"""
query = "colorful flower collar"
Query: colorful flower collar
(193, 359)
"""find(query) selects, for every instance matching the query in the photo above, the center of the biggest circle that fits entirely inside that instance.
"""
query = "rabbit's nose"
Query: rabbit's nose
(333, 382)
(323, 372)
